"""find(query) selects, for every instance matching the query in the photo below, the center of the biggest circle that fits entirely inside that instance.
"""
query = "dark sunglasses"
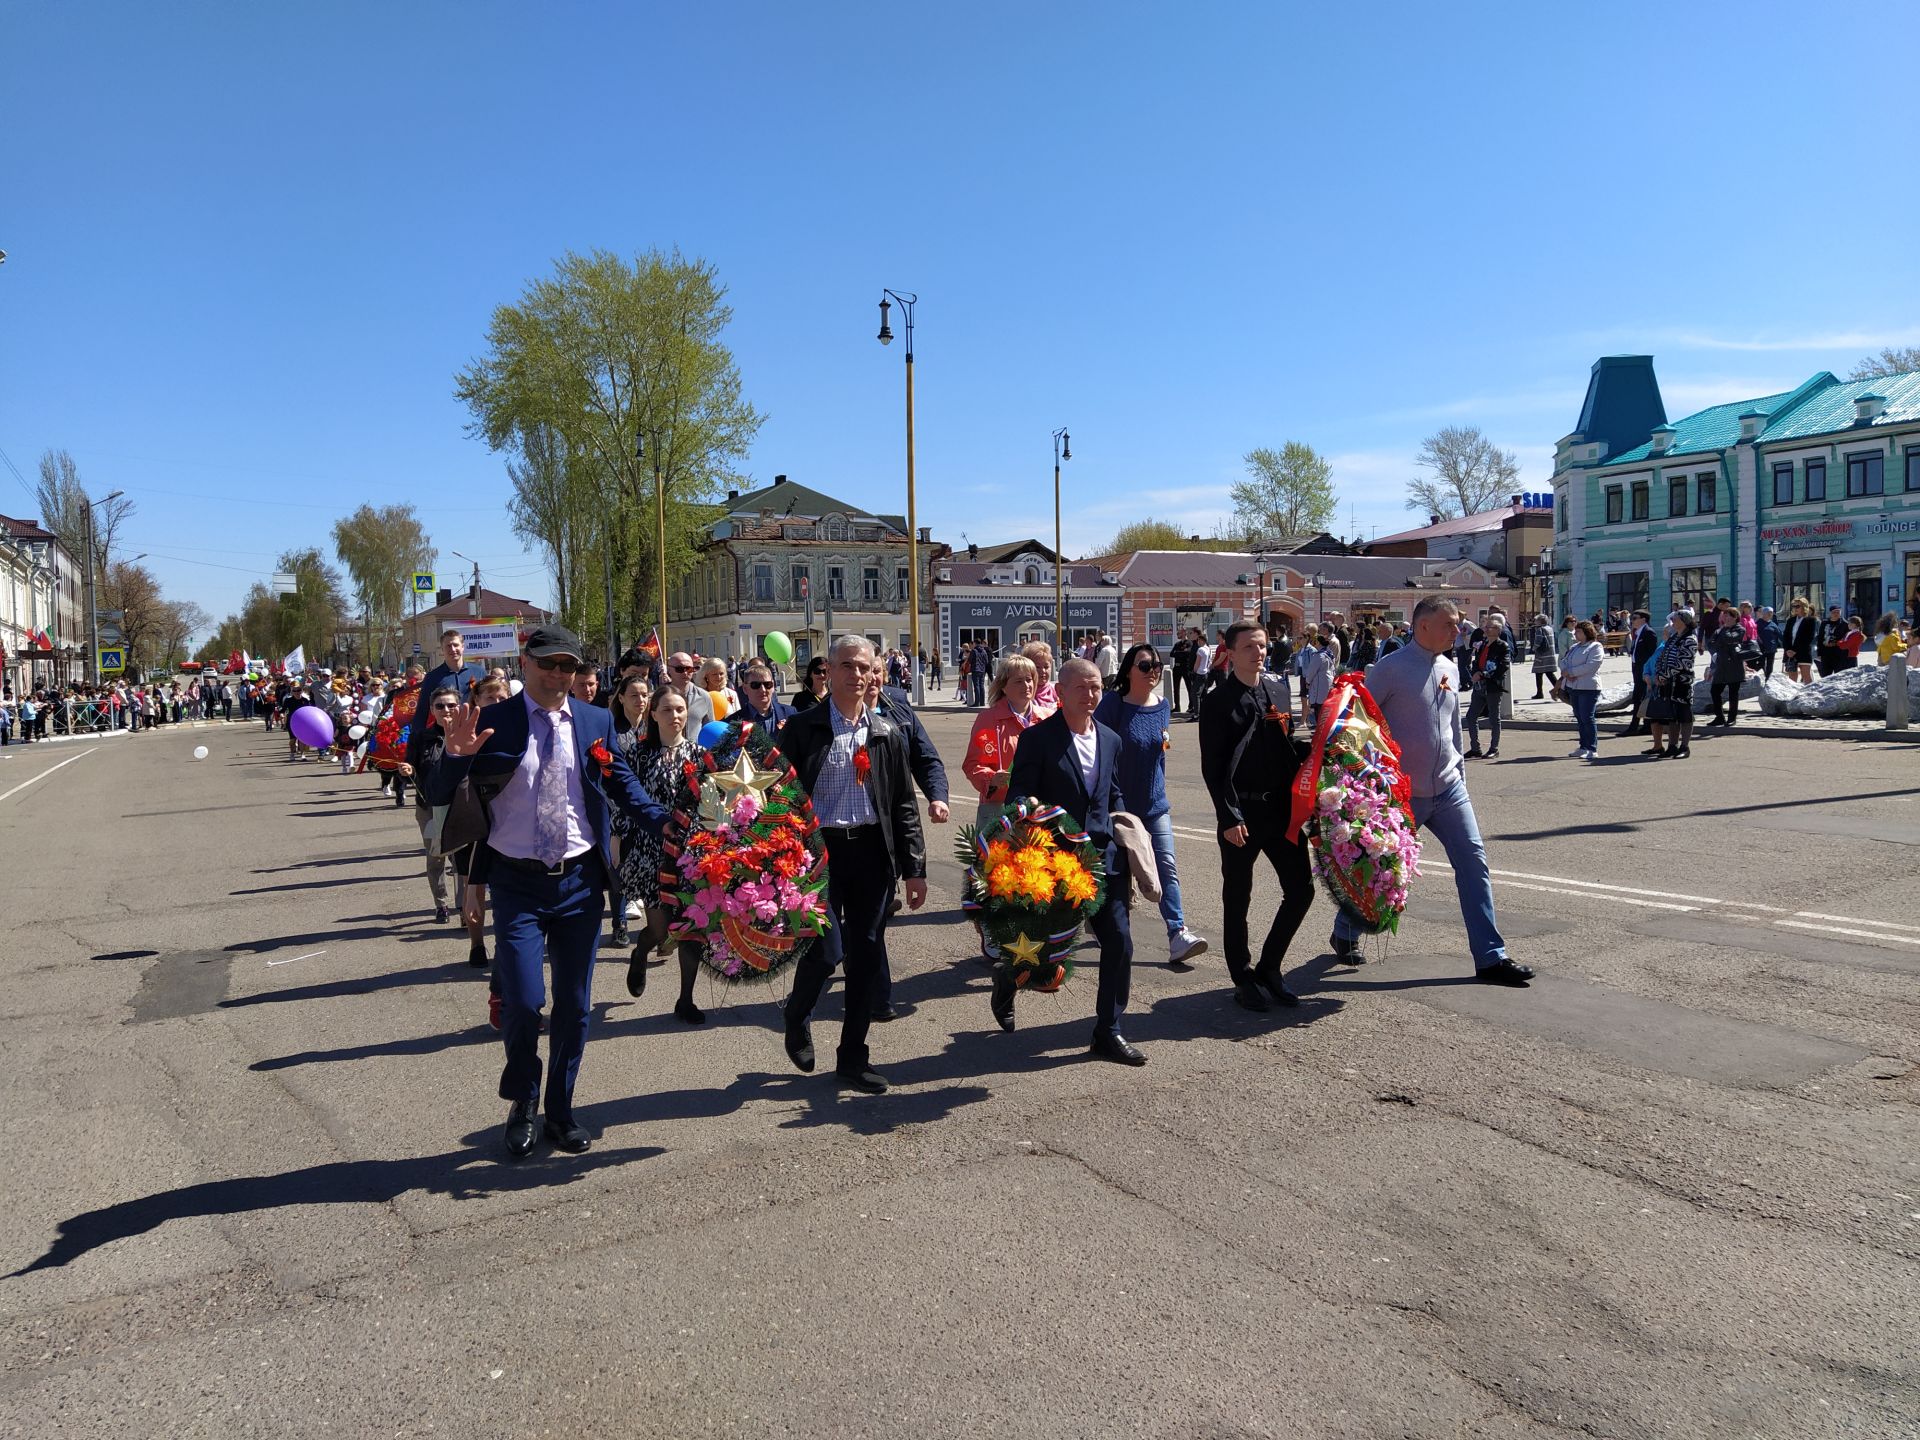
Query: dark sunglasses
(1148, 665)
(551, 663)
(681, 669)
(759, 684)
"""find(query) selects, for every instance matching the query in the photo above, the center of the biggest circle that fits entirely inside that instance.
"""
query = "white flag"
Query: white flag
(296, 662)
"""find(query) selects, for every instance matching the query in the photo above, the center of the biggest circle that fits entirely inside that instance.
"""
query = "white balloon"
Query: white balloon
(199, 752)
(356, 732)
(367, 717)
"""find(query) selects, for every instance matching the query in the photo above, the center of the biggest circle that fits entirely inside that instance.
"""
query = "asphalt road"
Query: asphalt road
(254, 1185)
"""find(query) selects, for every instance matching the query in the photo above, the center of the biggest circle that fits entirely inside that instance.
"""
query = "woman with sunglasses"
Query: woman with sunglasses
(813, 689)
(656, 763)
(426, 746)
(1134, 709)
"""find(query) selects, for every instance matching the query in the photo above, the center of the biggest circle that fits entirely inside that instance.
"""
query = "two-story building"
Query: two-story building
(1004, 595)
(789, 558)
(1812, 492)
(41, 592)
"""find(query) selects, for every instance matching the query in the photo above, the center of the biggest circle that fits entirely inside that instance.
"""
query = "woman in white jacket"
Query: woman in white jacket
(1580, 681)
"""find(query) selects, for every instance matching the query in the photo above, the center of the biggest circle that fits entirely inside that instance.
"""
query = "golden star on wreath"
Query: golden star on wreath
(1024, 951)
(1361, 732)
(745, 776)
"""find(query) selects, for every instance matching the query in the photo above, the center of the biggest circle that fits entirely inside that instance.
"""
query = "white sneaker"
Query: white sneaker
(1184, 947)
(1578, 755)
(635, 910)
(1590, 755)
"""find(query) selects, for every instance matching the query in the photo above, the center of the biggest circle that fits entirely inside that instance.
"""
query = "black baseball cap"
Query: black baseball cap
(551, 640)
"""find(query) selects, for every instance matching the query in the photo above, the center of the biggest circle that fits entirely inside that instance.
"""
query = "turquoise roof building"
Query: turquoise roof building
(1812, 492)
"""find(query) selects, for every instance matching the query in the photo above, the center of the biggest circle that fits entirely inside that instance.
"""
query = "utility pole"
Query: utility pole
(93, 601)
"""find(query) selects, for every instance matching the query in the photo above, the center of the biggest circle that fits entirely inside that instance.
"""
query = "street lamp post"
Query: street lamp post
(1319, 597)
(906, 303)
(659, 532)
(93, 603)
(1773, 586)
(1062, 450)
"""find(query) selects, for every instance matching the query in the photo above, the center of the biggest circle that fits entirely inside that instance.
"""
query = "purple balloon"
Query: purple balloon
(312, 727)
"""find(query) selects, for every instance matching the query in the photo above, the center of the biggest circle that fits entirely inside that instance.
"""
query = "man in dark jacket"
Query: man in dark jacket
(758, 701)
(1641, 643)
(1830, 657)
(1071, 760)
(854, 764)
(452, 669)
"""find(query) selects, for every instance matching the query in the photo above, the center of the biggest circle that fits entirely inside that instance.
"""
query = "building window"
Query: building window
(1694, 586)
(1628, 591)
(900, 585)
(1614, 513)
(799, 575)
(833, 527)
(1783, 484)
(1866, 474)
(837, 583)
(763, 582)
(1704, 497)
(870, 583)
(1642, 501)
(1677, 496)
(1913, 467)
(1816, 480)
(1559, 514)
(1800, 580)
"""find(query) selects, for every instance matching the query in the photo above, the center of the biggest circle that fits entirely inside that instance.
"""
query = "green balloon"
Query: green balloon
(778, 647)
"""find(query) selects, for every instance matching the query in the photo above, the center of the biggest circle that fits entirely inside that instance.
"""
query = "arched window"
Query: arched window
(1033, 574)
(833, 527)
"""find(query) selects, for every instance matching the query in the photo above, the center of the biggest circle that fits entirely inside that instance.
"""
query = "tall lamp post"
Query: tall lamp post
(659, 531)
(1062, 450)
(93, 603)
(1319, 597)
(906, 303)
(1774, 587)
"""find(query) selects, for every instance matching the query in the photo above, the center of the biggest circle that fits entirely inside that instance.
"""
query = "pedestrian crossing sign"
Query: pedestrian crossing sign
(423, 582)
(113, 661)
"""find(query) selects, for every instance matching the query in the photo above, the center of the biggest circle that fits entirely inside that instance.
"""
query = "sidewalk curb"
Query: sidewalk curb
(1770, 732)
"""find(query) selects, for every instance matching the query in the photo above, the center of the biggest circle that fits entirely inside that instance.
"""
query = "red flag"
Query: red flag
(650, 647)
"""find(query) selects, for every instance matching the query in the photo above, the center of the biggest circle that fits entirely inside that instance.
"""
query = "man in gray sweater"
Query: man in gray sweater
(1418, 690)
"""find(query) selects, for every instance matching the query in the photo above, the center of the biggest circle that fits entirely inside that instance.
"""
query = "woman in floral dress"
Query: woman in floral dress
(656, 760)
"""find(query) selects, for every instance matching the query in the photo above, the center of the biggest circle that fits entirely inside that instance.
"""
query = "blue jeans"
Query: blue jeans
(1584, 703)
(541, 921)
(1449, 815)
(1160, 832)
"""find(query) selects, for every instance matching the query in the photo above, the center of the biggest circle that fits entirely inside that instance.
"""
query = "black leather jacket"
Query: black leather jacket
(805, 740)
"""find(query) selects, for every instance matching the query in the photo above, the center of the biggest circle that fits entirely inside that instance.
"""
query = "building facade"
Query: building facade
(1008, 602)
(1813, 492)
(789, 558)
(41, 592)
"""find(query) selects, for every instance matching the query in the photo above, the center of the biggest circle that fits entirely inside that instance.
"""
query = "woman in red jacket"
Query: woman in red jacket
(1011, 708)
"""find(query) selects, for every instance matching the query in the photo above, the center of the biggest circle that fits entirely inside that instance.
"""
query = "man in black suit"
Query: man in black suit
(1071, 760)
(853, 763)
(1641, 643)
(930, 774)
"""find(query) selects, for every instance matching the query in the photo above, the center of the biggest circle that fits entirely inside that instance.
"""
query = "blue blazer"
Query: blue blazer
(778, 713)
(1046, 767)
(503, 750)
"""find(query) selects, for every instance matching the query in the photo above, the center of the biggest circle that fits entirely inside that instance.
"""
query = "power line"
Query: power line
(21, 479)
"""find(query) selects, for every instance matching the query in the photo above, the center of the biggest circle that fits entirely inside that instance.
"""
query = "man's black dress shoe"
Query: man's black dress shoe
(881, 1014)
(799, 1042)
(520, 1130)
(1505, 973)
(571, 1137)
(1347, 950)
(1001, 1001)
(477, 957)
(637, 973)
(1116, 1047)
(865, 1079)
(1269, 980)
(1248, 997)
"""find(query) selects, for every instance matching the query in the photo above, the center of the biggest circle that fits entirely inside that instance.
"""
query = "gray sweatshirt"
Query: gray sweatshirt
(1419, 693)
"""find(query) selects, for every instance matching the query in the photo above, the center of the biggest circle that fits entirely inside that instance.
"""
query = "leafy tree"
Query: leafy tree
(132, 590)
(175, 621)
(1469, 474)
(381, 549)
(1287, 492)
(312, 615)
(602, 353)
(558, 506)
(1151, 534)
(1890, 361)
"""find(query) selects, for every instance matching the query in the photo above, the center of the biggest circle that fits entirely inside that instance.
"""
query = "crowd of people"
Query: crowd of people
(556, 855)
(77, 707)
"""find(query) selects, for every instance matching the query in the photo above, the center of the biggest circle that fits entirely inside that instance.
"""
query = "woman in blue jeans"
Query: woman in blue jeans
(1580, 682)
(1134, 710)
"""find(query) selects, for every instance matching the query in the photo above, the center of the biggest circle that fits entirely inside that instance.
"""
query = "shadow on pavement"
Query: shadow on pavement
(1622, 827)
(366, 985)
(326, 884)
(324, 937)
(470, 1173)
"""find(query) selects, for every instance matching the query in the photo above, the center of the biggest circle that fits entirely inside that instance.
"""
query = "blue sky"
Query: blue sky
(249, 244)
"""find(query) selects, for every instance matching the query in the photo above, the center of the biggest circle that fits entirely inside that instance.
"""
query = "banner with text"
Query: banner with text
(490, 639)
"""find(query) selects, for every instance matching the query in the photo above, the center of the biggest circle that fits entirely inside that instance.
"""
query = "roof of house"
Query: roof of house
(492, 602)
(784, 497)
(1623, 402)
(1011, 548)
(1821, 406)
(1217, 570)
(974, 572)
(26, 529)
(1481, 522)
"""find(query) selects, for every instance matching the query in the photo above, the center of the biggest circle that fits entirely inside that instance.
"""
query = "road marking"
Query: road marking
(48, 771)
(1617, 899)
(1858, 934)
(308, 956)
(1853, 920)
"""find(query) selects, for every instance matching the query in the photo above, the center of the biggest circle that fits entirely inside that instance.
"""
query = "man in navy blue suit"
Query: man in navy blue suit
(1071, 760)
(547, 768)
(758, 702)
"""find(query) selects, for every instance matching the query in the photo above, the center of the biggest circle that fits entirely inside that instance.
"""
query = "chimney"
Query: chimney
(732, 495)
(1662, 439)
(1868, 408)
(926, 534)
(779, 479)
(1752, 422)
(1193, 539)
(1433, 519)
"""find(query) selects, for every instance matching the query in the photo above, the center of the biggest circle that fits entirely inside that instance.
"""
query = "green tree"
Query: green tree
(1287, 492)
(312, 615)
(1468, 474)
(558, 505)
(1891, 361)
(604, 353)
(381, 549)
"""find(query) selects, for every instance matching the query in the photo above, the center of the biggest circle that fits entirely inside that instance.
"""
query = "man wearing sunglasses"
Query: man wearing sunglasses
(680, 673)
(758, 703)
(547, 856)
